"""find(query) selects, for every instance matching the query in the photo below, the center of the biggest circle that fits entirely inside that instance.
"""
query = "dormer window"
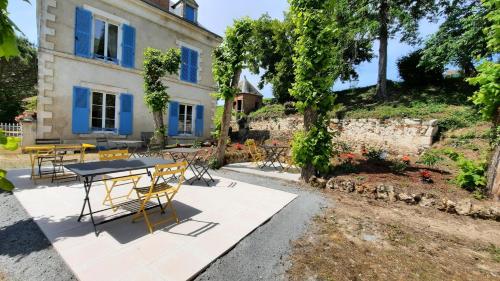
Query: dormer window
(190, 13)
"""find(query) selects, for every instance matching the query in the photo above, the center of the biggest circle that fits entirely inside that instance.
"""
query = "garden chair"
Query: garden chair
(256, 155)
(61, 158)
(110, 183)
(202, 165)
(102, 144)
(160, 187)
(42, 155)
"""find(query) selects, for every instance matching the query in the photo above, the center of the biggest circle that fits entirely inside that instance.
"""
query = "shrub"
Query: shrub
(460, 119)
(415, 75)
(398, 166)
(340, 147)
(374, 154)
(430, 158)
(472, 175)
(268, 112)
(290, 108)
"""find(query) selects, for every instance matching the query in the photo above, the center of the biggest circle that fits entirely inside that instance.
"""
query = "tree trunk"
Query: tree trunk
(382, 59)
(226, 120)
(159, 133)
(469, 69)
(310, 117)
(493, 174)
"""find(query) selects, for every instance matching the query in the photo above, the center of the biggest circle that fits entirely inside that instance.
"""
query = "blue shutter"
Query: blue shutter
(126, 114)
(185, 64)
(81, 110)
(128, 46)
(193, 66)
(199, 121)
(173, 118)
(83, 32)
(190, 14)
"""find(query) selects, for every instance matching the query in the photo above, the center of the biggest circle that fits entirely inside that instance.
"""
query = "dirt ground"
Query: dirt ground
(365, 239)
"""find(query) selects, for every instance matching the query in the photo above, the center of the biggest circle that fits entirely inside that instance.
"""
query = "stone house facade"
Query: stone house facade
(249, 99)
(91, 61)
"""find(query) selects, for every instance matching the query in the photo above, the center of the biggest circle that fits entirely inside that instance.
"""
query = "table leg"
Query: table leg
(87, 184)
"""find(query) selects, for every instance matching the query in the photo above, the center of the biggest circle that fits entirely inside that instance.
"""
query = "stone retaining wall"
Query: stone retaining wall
(399, 135)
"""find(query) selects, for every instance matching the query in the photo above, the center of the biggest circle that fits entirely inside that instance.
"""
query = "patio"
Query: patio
(271, 172)
(213, 220)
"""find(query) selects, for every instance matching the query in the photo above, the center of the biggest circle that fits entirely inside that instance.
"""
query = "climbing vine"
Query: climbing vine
(157, 64)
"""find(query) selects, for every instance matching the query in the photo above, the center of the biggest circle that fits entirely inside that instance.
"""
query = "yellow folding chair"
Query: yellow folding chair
(255, 154)
(159, 187)
(111, 183)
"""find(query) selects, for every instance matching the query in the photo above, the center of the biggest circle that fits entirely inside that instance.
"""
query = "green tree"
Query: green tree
(229, 59)
(460, 39)
(387, 18)
(18, 79)
(8, 40)
(156, 65)
(487, 98)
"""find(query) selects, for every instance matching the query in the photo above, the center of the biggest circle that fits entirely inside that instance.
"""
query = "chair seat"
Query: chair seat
(158, 188)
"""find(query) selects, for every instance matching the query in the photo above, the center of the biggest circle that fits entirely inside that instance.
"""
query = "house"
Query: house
(249, 99)
(91, 61)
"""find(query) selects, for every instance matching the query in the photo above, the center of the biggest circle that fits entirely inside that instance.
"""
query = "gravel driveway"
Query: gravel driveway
(25, 253)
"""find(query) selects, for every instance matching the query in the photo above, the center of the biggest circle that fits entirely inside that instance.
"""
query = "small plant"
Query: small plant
(340, 147)
(472, 175)
(495, 252)
(250, 142)
(430, 158)
(197, 144)
(213, 163)
(399, 167)
(426, 176)
(375, 154)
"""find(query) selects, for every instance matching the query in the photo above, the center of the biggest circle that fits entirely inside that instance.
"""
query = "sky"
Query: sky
(216, 15)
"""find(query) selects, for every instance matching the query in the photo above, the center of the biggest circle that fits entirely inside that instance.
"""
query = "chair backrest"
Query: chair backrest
(48, 141)
(113, 155)
(166, 171)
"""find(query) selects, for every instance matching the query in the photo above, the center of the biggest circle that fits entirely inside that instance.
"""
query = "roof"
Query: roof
(190, 2)
(247, 88)
(154, 3)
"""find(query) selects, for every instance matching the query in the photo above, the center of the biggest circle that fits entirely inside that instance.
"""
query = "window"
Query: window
(189, 65)
(103, 112)
(105, 40)
(185, 119)
(190, 13)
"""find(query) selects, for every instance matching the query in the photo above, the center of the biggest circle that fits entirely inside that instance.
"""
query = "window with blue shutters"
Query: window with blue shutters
(173, 118)
(126, 114)
(81, 110)
(189, 65)
(199, 124)
(190, 13)
(98, 36)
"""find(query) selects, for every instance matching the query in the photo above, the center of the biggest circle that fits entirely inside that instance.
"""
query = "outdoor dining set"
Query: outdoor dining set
(275, 156)
(122, 166)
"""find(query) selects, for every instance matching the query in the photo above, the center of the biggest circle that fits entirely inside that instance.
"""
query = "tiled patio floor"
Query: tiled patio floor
(214, 219)
(251, 168)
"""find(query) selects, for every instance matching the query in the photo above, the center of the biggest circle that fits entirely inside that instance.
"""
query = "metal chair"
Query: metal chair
(202, 165)
(256, 155)
(159, 187)
(102, 144)
(110, 183)
(61, 158)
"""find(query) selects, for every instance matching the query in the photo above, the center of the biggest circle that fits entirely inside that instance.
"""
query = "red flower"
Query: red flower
(406, 159)
(349, 156)
(425, 174)
(364, 151)
(275, 143)
(239, 146)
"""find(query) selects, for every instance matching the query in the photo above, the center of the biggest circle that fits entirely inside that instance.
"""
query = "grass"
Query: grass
(495, 252)
(448, 103)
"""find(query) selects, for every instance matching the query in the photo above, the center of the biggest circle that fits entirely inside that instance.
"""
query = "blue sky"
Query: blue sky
(216, 15)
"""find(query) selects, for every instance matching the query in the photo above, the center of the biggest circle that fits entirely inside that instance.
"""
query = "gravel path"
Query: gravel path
(263, 254)
(26, 254)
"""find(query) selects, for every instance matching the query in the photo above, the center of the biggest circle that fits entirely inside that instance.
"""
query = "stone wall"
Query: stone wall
(405, 135)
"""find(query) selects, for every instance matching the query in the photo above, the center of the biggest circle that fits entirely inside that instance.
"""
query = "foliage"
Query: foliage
(340, 147)
(459, 39)
(415, 75)
(268, 112)
(217, 121)
(9, 143)
(460, 119)
(290, 108)
(156, 65)
(398, 166)
(8, 40)
(374, 154)
(472, 175)
(272, 47)
(430, 158)
(310, 147)
(18, 79)
(4, 183)
(488, 95)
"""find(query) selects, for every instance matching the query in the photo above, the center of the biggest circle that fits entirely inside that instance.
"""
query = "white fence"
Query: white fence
(12, 129)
